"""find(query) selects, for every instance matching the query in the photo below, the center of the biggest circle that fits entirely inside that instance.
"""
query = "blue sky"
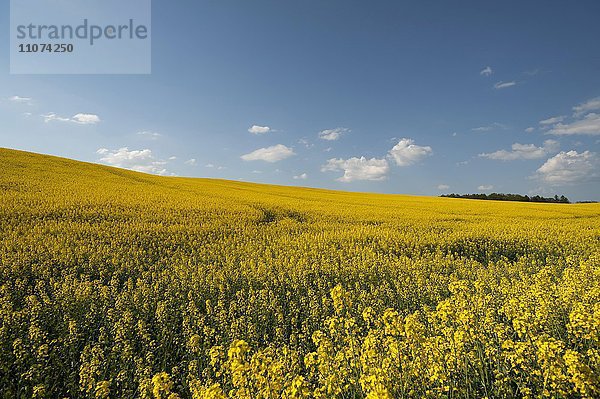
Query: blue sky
(417, 97)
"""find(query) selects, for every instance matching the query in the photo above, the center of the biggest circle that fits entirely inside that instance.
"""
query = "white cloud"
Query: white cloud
(485, 187)
(191, 162)
(584, 121)
(590, 105)
(407, 153)
(569, 167)
(51, 116)
(530, 130)
(553, 120)
(487, 128)
(81, 119)
(305, 143)
(172, 158)
(443, 187)
(302, 176)
(19, 99)
(523, 151)
(256, 129)
(588, 125)
(333, 134)
(358, 168)
(138, 160)
(487, 71)
(403, 154)
(149, 135)
(504, 85)
(86, 119)
(274, 153)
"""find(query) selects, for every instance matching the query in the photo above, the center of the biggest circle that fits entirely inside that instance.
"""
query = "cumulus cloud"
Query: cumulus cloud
(523, 151)
(86, 119)
(274, 153)
(358, 168)
(138, 160)
(191, 162)
(302, 176)
(333, 134)
(407, 153)
(590, 105)
(485, 187)
(530, 130)
(588, 125)
(256, 129)
(569, 167)
(504, 85)
(553, 120)
(403, 154)
(149, 135)
(81, 119)
(487, 71)
(443, 187)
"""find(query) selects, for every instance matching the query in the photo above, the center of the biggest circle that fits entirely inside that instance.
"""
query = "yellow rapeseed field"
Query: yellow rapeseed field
(116, 284)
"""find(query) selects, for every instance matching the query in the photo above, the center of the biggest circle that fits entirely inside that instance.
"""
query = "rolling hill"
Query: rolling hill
(115, 283)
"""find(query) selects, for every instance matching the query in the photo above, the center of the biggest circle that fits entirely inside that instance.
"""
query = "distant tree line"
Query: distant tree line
(511, 197)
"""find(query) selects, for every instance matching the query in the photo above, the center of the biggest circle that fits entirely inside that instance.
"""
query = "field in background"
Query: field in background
(120, 284)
